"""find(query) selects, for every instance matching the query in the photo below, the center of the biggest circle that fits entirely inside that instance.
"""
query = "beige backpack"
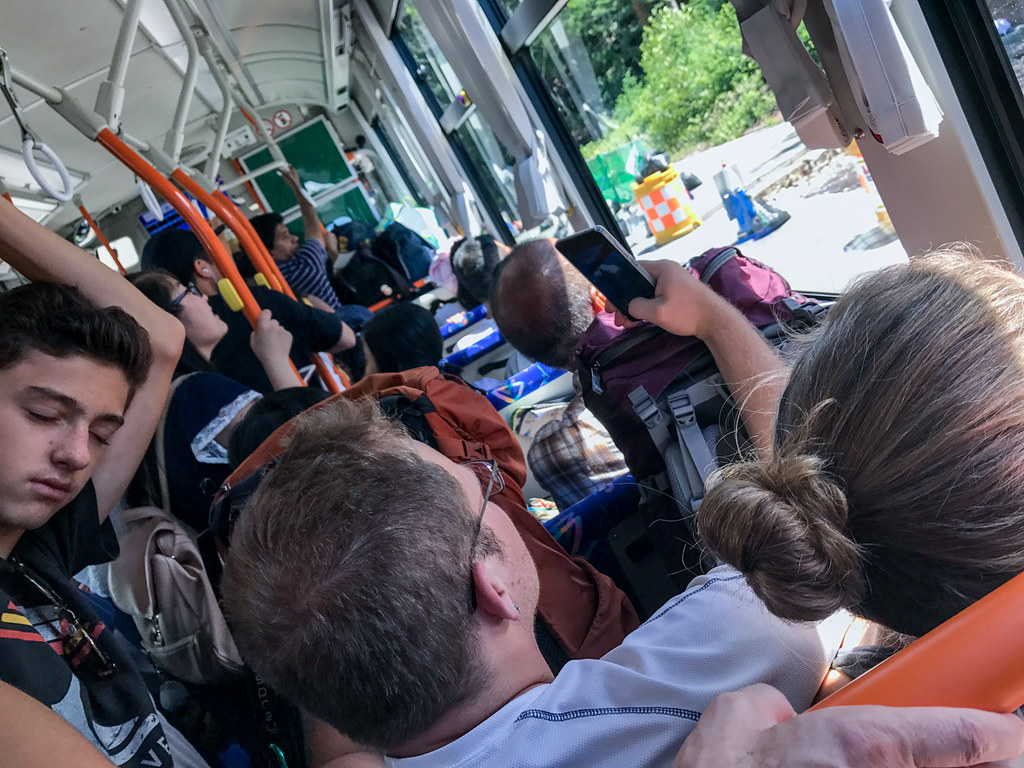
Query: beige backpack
(160, 581)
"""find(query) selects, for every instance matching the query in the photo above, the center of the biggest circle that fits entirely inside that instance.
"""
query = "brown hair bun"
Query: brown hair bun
(782, 524)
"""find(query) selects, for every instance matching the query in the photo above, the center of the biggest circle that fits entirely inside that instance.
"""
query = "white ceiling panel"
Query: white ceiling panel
(274, 46)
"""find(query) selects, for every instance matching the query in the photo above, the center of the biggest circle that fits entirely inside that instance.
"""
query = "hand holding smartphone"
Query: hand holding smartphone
(609, 266)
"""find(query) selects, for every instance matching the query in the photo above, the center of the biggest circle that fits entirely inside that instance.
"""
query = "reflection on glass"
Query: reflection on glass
(1008, 16)
(399, 135)
(510, 6)
(431, 66)
(496, 166)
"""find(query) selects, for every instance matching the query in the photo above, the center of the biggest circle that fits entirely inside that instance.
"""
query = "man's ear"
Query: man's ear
(202, 267)
(492, 596)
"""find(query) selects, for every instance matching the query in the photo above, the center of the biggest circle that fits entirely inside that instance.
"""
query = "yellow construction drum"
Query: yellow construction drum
(666, 204)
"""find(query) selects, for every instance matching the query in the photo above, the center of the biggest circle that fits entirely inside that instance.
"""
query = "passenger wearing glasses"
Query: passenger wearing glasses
(206, 403)
(82, 385)
(378, 585)
(180, 253)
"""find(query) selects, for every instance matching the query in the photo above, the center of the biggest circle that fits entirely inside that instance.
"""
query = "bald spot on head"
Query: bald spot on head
(541, 303)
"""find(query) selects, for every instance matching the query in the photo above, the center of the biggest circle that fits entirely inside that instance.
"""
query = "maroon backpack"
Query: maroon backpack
(662, 400)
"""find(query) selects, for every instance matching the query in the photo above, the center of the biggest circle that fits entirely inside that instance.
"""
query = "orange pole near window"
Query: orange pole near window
(248, 185)
(254, 248)
(385, 302)
(103, 239)
(198, 224)
(971, 660)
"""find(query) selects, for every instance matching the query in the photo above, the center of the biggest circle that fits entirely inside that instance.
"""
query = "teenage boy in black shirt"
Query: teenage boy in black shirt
(85, 363)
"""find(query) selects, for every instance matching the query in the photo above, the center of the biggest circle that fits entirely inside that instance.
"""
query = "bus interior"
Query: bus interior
(852, 143)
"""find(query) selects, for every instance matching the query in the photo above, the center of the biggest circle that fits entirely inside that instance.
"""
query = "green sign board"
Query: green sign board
(318, 157)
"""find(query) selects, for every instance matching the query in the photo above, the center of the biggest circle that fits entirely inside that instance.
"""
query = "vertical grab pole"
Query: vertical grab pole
(176, 136)
(110, 98)
(221, 204)
(214, 247)
(102, 238)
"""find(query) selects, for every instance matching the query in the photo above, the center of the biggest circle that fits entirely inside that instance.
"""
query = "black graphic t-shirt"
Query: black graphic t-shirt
(112, 710)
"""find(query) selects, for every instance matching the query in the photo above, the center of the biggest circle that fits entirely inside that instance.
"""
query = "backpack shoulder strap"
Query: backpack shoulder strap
(158, 443)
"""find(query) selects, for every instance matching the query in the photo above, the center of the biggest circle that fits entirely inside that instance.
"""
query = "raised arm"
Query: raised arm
(271, 344)
(310, 218)
(754, 373)
(41, 255)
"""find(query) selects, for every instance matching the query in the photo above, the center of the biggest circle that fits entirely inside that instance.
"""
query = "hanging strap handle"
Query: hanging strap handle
(30, 143)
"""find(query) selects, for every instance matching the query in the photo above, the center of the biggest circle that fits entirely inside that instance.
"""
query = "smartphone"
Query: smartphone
(608, 266)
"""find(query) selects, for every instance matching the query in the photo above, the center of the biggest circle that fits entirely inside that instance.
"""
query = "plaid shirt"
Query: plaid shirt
(574, 456)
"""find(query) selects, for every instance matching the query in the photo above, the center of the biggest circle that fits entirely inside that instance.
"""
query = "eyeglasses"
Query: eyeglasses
(190, 288)
(491, 482)
(79, 649)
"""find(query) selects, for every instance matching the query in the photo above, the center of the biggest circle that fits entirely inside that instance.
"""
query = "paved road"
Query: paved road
(808, 249)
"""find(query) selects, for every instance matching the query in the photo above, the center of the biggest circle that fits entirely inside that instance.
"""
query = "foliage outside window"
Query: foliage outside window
(671, 73)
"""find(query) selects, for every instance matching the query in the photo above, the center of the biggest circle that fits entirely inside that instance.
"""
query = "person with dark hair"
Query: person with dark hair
(206, 406)
(401, 337)
(378, 585)
(180, 253)
(542, 304)
(473, 262)
(84, 372)
(267, 414)
(305, 266)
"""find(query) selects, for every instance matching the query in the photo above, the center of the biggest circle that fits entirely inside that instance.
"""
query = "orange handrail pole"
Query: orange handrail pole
(214, 247)
(248, 185)
(228, 212)
(103, 238)
(971, 660)
(268, 266)
(230, 218)
(261, 257)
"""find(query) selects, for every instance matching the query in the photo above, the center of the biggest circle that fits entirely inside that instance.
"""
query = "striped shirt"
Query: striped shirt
(306, 273)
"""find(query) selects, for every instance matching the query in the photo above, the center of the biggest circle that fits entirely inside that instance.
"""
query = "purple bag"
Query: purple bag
(662, 401)
(613, 361)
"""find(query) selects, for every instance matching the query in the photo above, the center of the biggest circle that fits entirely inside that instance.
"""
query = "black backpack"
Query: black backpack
(368, 279)
(413, 252)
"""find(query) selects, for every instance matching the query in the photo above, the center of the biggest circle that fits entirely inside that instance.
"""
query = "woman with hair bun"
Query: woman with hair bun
(893, 482)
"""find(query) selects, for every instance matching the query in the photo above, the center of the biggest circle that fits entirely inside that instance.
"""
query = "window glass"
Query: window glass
(510, 6)
(1008, 16)
(126, 253)
(431, 66)
(496, 167)
(634, 77)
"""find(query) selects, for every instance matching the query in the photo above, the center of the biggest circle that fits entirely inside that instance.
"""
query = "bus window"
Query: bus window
(486, 162)
(486, 152)
(631, 78)
(1008, 18)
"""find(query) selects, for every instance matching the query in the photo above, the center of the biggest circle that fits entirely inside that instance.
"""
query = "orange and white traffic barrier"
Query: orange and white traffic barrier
(666, 204)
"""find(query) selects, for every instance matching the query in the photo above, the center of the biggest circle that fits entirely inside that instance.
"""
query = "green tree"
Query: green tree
(699, 88)
(611, 32)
